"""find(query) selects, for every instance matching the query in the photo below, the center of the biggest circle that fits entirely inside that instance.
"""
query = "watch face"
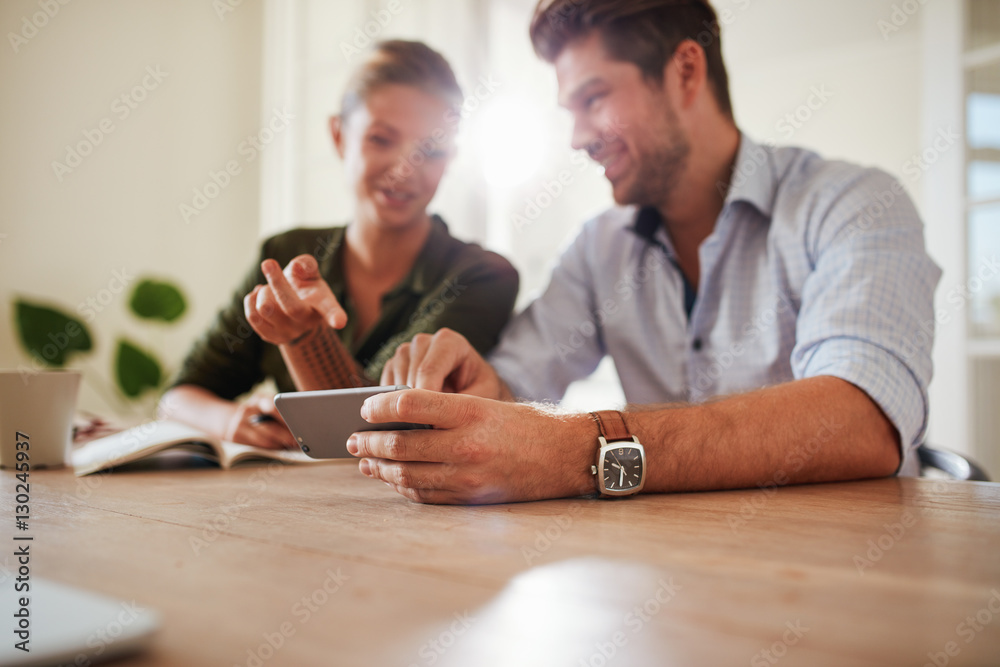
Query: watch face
(622, 467)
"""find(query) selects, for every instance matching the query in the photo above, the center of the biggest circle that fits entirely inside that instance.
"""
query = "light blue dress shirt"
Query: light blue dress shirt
(815, 267)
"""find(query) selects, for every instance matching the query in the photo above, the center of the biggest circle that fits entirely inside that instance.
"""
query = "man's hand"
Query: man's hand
(820, 429)
(444, 361)
(293, 303)
(480, 451)
(256, 422)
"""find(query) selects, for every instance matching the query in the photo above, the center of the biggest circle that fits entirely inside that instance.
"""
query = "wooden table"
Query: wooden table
(338, 570)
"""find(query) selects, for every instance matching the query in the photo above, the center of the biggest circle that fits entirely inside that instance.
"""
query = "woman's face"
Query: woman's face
(395, 148)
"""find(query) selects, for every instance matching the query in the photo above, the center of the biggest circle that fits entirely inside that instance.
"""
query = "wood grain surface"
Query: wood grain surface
(272, 565)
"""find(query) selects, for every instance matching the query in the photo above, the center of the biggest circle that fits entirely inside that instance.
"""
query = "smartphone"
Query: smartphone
(322, 421)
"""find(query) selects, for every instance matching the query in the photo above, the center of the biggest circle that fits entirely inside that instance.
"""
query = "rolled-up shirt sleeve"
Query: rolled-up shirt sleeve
(867, 309)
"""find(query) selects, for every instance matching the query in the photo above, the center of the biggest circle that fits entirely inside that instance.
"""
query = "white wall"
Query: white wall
(62, 241)
(944, 211)
(781, 53)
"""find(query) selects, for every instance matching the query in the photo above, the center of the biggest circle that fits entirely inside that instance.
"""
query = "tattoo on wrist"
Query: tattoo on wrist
(325, 362)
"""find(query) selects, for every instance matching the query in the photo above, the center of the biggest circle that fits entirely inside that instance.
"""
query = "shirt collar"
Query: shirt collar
(753, 178)
(753, 181)
(648, 226)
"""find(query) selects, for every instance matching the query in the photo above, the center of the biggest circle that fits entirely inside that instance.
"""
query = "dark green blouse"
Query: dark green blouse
(452, 284)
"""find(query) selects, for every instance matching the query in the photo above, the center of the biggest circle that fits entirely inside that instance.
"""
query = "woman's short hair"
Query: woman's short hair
(406, 63)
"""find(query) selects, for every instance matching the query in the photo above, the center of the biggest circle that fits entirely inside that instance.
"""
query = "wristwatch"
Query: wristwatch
(621, 459)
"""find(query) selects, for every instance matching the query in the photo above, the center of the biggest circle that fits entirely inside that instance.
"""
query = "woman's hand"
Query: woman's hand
(293, 303)
(256, 422)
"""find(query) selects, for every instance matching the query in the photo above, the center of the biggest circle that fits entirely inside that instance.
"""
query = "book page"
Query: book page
(136, 443)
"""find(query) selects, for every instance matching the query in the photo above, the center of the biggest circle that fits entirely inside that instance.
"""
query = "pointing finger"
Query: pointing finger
(285, 294)
(303, 268)
(303, 273)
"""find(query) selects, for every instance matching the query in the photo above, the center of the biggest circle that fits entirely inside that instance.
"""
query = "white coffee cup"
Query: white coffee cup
(36, 410)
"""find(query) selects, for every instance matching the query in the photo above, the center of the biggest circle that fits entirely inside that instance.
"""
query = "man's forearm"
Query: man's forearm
(814, 430)
(321, 361)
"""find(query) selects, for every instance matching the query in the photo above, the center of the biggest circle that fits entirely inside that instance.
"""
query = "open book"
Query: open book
(152, 437)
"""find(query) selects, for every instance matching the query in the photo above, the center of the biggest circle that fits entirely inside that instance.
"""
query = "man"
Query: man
(760, 304)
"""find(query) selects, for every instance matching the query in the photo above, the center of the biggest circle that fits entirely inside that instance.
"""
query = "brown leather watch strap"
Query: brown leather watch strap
(612, 425)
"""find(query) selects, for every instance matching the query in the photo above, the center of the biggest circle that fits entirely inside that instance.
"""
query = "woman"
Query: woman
(348, 296)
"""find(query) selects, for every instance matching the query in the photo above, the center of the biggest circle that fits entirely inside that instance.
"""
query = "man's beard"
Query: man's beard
(660, 165)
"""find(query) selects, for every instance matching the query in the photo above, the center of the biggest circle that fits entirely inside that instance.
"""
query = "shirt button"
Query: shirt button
(696, 345)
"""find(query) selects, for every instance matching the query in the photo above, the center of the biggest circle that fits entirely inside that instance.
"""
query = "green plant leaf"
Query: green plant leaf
(50, 335)
(136, 370)
(153, 300)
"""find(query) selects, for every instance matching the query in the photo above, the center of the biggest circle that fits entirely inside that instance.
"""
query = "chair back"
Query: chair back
(952, 464)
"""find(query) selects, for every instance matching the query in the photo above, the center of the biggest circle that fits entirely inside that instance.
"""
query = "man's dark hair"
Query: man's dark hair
(645, 33)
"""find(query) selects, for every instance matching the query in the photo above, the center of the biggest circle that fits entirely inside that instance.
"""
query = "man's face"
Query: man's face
(623, 121)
